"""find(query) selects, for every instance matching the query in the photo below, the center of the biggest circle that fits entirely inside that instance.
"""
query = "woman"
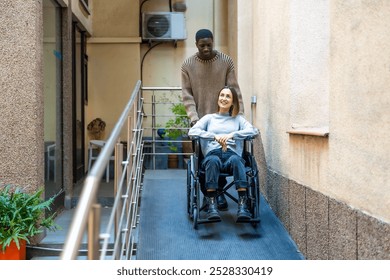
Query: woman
(222, 139)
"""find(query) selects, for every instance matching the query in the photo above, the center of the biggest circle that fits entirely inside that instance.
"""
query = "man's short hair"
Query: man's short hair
(203, 33)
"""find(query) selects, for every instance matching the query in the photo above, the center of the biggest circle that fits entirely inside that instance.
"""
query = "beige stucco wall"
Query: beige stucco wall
(113, 61)
(21, 103)
(352, 165)
(116, 19)
(112, 77)
(359, 156)
(269, 76)
(245, 48)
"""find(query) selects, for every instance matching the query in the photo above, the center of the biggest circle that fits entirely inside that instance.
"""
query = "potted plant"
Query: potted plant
(177, 129)
(22, 217)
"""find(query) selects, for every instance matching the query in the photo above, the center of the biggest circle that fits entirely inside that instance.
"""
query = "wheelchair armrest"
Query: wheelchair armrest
(250, 137)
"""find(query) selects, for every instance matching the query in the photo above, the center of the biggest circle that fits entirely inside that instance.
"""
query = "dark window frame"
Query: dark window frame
(85, 5)
(78, 172)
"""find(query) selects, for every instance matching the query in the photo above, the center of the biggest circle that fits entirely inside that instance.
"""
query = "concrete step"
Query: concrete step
(53, 251)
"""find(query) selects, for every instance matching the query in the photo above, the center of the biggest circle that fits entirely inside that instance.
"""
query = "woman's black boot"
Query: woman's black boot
(212, 212)
(243, 214)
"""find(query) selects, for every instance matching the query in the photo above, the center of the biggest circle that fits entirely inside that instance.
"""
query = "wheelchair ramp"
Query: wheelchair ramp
(166, 232)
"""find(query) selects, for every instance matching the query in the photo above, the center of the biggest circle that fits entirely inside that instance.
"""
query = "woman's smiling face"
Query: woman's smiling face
(225, 100)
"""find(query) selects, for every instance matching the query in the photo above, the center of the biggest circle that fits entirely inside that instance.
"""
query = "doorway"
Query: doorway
(53, 95)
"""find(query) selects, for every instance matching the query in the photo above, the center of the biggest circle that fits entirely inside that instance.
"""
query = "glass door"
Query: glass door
(52, 91)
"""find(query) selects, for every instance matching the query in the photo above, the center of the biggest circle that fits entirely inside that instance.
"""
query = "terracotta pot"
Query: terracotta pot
(13, 253)
(187, 148)
(173, 161)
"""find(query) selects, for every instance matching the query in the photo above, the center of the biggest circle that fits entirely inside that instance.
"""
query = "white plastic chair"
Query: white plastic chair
(98, 144)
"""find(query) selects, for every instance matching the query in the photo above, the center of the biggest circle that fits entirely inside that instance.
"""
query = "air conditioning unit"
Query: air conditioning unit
(163, 26)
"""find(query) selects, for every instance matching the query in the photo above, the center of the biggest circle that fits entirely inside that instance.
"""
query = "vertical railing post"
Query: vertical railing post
(153, 129)
(93, 232)
(118, 175)
(130, 135)
(131, 147)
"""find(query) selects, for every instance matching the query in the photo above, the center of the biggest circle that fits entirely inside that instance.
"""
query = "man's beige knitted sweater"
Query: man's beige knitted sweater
(202, 81)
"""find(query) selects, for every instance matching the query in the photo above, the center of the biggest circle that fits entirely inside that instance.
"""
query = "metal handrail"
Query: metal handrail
(154, 93)
(124, 213)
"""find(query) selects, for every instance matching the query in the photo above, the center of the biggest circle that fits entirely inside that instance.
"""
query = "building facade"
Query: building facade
(314, 76)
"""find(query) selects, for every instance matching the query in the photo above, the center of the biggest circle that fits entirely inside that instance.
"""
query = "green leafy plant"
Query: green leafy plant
(22, 216)
(178, 126)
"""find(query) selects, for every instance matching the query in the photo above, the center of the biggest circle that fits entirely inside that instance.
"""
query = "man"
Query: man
(203, 75)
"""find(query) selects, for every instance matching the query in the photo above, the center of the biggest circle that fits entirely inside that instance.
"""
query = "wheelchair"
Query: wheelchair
(195, 177)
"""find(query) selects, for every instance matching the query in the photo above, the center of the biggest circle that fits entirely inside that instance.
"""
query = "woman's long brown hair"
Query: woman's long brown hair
(235, 108)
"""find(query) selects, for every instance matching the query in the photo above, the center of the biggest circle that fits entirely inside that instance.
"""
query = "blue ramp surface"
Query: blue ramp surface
(166, 232)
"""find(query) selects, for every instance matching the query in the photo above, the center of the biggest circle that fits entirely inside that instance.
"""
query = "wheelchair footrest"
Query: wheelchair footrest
(207, 221)
(249, 221)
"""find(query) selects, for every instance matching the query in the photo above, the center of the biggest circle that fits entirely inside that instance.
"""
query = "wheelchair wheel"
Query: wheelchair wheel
(195, 215)
(195, 204)
(256, 201)
(189, 179)
(255, 194)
